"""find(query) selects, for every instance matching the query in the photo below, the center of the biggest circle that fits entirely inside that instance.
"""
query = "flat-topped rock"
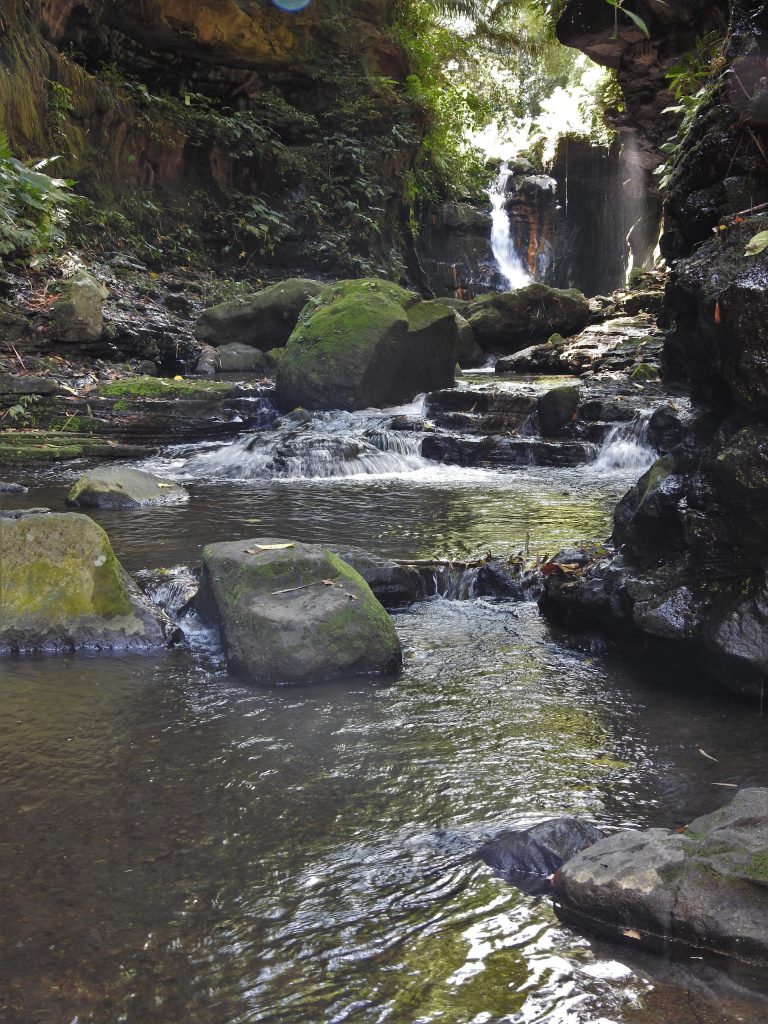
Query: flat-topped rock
(294, 613)
(702, 890)
(122, 487)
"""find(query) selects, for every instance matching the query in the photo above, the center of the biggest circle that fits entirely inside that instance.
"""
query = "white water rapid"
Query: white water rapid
(502, 242)
(626, 447)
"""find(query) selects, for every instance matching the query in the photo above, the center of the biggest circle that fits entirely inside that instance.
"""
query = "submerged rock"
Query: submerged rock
(62, 588)
(509, 321)
(264, 320)
(367, 343)
(704, 889)
(527, 857)
(294, 613)
(121, 487)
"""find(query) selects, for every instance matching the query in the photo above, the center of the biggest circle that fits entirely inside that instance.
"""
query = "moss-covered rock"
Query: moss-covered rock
(644, 371)
(367, 343)
(294, 613)
(239, 358)
(78, 315)
(703, 889)
(120, 487)
(264, 320)
(56, 445)
(149, 388)
(510, 321)
(62, 588)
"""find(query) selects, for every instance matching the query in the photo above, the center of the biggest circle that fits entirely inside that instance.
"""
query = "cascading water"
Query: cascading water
(502, 242)
(626, 446)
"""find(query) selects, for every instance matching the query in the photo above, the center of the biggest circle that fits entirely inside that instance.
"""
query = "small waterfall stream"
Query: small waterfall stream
(502, 242)
(626, 446)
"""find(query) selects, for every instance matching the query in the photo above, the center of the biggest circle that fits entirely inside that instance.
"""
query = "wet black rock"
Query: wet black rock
(506, 451)
(509, 321)
(508, 581)
(11, 488)
(528, 857)
(393, 584)
(701, 890)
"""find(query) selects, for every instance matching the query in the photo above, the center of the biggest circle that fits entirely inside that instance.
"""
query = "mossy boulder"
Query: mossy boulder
(510, 321)
(263, 320)
(293, 613)
(120, 487)
(367, 343)
(557, 409)
(78, 314)
(703, 889)
(62, 588)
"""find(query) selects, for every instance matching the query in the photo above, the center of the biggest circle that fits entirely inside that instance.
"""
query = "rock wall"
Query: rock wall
(692, 542)
(220, 117)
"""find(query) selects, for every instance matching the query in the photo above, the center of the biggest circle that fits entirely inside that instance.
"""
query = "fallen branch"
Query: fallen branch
(305, 586)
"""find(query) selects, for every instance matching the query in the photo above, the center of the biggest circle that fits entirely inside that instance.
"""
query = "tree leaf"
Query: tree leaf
(637, 20)
(275, 547)
(757, 244)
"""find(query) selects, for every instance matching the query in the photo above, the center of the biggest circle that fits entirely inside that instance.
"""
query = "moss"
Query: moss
(60, 568)
(55, 445)
(757, 868)
(644, 371)
(160, 388)
(423, 314)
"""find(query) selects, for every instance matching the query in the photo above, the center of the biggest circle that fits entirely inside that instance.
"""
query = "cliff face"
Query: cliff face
(691, 568)
(227, 116)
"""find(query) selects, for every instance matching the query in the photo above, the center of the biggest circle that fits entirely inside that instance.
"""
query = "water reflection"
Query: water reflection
(180, 848)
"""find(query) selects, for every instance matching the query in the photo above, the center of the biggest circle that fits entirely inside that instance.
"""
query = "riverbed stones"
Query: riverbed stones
(78, 314)
(62, 588)
(294, 613)
(263, 320)
(239, 358)
(701, 890)
(510, 321)
(114, 487)
(367, 343)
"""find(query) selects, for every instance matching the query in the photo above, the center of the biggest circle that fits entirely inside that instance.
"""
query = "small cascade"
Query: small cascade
(510, 263)
(626, 446)
(321, 445)
(454, 583)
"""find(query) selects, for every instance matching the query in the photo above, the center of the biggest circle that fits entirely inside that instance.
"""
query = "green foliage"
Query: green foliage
(692, 81)
(33, 206)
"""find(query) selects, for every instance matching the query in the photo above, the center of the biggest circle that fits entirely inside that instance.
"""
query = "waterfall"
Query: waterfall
(502, 242)
(626, 446)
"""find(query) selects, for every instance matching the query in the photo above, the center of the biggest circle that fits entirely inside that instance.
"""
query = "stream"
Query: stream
(181, 848)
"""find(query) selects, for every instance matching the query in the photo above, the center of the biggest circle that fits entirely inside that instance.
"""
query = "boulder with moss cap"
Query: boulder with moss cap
(294, 613)
(367, 343)
(62, 588)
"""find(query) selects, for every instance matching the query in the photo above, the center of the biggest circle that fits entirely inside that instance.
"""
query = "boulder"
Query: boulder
(237, 358)
(557, 409)
(702, 890)
(62, 588)
(78, 314)
(367, 343)
(208, 360)
(12, 488)
(14, 384)
(510, 321)
(263, 320)
(527, 857)
(120, 487)
(294, 613)
(470, 354)
(393, 584)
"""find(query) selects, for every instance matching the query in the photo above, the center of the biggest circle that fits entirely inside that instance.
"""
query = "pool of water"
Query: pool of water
(180, 848)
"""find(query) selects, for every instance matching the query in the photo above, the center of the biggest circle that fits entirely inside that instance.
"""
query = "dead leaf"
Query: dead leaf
(705, 754)
(251, 551)
(631, 933)
(717, 313)
(166, 485)
(275, 547)
(250, 520)
(352, 597)
(757, 244)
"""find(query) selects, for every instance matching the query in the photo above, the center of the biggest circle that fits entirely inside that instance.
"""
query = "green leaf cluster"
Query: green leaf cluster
(33, 205)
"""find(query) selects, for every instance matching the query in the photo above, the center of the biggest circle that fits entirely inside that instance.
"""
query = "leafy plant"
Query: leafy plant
(33, 205)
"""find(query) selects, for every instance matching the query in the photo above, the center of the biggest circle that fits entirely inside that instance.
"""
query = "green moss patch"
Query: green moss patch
(153, 388)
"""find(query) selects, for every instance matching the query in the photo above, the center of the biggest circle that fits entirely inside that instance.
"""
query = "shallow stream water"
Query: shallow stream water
(181, 848)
